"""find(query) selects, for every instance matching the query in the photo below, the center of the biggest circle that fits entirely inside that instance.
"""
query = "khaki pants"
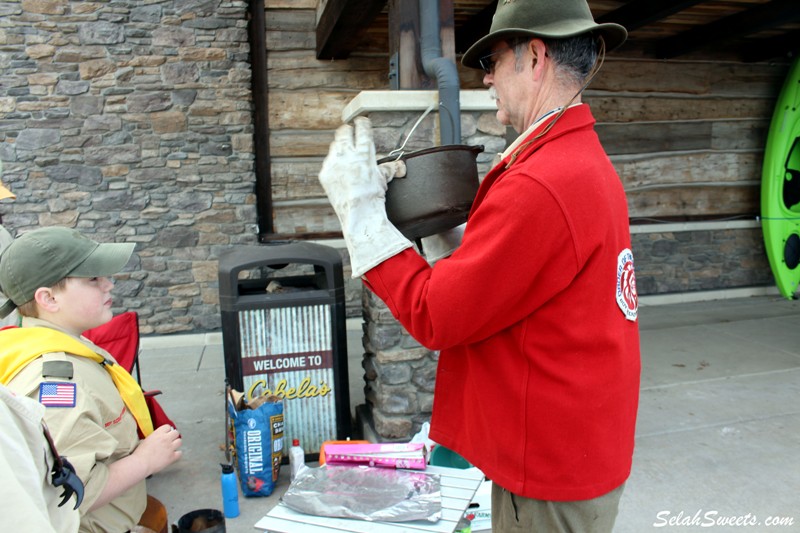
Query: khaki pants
(515, 514)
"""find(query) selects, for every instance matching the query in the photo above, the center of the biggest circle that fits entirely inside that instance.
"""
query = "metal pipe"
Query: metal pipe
(443, 70)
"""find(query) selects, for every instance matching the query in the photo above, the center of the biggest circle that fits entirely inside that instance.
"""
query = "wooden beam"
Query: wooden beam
(640, 13)
(447, 29)
(753, 20)
(404, 46)
(342, 25)
(257, 36)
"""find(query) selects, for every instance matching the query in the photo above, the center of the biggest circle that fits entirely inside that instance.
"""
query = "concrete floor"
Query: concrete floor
(718, 431)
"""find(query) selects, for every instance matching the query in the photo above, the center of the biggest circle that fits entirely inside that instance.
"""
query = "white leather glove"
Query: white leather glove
(392, 169)
(356, 188)
(442, 244)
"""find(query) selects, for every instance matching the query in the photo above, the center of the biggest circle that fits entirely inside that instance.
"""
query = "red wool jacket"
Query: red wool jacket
(535, 317)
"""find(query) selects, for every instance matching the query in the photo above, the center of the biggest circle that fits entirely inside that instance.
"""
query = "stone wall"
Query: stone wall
(132, 122)
(399, 375)
(685, 261)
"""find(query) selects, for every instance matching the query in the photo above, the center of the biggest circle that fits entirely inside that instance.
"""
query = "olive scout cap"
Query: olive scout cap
(45, 256)
(549, 19)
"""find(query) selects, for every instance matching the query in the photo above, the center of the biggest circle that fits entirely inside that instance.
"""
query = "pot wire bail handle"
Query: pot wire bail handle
(400, 151)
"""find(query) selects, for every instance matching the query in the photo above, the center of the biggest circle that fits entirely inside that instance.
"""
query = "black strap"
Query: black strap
(63, 473)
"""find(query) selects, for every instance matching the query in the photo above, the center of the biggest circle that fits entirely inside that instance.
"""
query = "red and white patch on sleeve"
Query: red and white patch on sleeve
(627, 298)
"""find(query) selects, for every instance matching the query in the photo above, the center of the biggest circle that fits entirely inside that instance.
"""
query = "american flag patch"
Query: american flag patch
(57, 394)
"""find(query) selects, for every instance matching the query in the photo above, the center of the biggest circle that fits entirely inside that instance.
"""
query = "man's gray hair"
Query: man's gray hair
(574, 56)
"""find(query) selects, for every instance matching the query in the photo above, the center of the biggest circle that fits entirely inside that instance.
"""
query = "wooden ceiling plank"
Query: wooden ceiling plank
(342, 25)
(753, 20)
(639, 13)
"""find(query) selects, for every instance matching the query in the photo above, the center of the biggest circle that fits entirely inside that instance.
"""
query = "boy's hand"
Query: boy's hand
(160, 449)
(155, 453)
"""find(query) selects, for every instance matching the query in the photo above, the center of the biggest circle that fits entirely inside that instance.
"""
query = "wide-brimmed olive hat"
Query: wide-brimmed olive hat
(550, 19)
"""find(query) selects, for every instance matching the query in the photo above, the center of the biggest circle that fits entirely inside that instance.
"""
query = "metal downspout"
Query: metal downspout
(443, 70)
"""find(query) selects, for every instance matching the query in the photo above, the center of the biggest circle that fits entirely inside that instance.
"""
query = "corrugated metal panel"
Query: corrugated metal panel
(300, 332)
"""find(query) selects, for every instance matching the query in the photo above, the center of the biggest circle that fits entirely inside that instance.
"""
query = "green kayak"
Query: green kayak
(780, 187)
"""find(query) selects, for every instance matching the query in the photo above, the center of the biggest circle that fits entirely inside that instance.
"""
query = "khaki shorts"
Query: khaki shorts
(515, 514)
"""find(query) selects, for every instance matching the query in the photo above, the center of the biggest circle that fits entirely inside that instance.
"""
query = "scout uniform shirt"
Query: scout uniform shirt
(90, 424)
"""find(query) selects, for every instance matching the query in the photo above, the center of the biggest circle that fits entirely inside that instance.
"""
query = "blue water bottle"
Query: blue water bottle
(230, 492)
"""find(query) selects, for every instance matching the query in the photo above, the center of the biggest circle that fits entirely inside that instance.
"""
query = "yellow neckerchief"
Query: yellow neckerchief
(20, 346)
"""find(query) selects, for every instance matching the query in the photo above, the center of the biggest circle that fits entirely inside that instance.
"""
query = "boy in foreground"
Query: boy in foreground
(59, 281)
(30, 497)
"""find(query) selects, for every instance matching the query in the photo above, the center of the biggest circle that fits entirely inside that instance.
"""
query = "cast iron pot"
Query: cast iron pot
(201, 520)
(437, 192)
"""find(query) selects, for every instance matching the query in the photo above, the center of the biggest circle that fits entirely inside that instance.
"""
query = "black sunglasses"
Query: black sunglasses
(487, 62)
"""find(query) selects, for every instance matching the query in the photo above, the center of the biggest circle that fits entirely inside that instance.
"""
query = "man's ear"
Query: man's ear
(538, 49)
(45, 299)
(538, 52)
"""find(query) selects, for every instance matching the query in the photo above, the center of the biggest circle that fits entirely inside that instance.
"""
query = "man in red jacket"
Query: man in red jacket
(535, 312)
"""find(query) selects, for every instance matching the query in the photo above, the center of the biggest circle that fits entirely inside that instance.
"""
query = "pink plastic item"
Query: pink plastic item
(387, 455)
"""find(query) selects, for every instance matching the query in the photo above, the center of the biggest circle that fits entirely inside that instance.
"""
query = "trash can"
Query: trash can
(284, 333)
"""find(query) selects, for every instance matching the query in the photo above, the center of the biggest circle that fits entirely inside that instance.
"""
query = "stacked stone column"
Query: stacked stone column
(399, 374)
